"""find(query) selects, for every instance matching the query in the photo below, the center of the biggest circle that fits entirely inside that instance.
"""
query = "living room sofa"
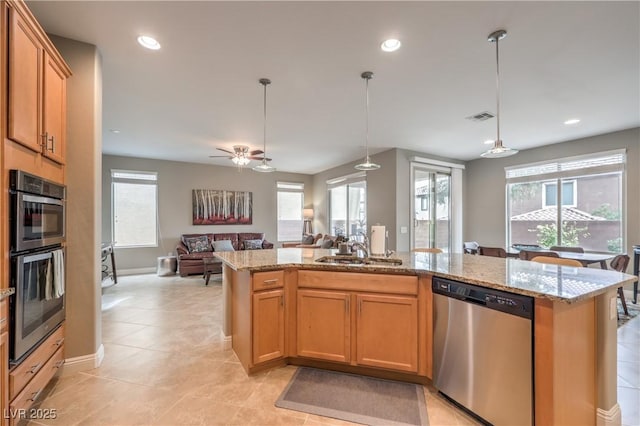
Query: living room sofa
(191, 262)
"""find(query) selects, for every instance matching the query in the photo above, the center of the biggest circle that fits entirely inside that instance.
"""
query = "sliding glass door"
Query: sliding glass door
(431, 208)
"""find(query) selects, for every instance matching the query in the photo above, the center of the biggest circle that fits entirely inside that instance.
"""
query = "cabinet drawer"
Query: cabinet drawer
(32, 390)
(267, 280)
(376, 283)
(29, 368)
(4, 315)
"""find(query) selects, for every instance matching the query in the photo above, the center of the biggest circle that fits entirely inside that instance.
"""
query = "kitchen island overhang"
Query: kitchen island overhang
(273, 296)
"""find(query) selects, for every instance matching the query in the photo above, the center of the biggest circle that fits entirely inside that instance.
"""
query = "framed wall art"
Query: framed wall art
(220, 207)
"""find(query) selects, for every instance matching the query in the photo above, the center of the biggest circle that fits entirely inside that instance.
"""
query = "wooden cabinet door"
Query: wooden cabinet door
(268, 325)
(54, 109)
(387, 331)
(25, 56)
(323, 325)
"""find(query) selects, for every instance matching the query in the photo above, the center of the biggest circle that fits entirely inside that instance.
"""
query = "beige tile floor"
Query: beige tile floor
(165, 364)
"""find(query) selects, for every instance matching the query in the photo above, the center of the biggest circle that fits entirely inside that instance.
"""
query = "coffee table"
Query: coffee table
(211, 266)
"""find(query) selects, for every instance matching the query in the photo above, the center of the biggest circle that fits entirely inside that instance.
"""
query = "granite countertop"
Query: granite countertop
(6, 292)
(561, 283)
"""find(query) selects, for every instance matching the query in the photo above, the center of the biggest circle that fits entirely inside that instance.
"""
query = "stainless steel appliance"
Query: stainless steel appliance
(483, 351)
(37, 216)
(35, 313)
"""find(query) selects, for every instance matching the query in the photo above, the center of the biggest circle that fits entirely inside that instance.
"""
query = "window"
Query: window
(348, 205)
(591, 214)
(550, 194)
(290, 205)
(134, 208)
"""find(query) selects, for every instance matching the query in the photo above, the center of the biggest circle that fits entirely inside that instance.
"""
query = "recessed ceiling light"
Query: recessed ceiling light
(489, 142)
(390, 45)
(149, 42)
(114, 131)
(572, 121)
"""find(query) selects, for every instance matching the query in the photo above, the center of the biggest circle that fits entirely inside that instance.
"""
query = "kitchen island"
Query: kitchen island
(283, 306)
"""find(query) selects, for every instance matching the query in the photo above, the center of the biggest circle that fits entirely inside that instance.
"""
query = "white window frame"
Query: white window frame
(133, 177)
(296, 187)
(346, 181)
(546, 205)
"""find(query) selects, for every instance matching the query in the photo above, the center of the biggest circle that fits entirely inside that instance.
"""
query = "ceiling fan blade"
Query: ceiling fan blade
(226, 150)
(259, 158)
(256, 152)
(219, 156)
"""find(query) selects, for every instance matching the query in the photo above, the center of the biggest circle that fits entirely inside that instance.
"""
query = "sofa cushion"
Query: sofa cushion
(252, 244)
(222, 245)
(243, 236)
(197, 244)
(326, 244)
(233, 237)
(308, 239)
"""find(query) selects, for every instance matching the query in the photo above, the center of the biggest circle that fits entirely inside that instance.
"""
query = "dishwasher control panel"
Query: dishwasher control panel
(503, 301)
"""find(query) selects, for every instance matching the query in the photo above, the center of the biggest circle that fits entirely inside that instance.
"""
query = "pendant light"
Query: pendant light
(498, 149)
(367, 165)
(264, 167)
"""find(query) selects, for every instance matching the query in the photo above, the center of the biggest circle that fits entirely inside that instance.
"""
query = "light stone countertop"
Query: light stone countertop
(561, 283)
(6, 292)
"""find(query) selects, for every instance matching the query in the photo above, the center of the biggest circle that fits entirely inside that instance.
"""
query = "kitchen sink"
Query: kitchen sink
(354, 260)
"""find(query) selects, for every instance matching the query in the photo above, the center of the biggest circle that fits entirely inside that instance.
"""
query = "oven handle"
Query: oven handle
(44, 200)
(36, 257)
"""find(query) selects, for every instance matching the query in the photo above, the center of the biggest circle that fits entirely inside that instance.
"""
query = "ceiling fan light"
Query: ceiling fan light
(241, 160)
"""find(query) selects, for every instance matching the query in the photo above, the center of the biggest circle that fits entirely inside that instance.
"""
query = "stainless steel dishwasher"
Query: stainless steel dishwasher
(483, 351)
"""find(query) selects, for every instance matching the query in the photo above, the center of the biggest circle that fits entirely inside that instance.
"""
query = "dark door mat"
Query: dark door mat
(354, 398)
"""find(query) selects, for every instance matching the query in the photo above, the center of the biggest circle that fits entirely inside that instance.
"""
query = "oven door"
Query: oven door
(35, 313)
(37, 221)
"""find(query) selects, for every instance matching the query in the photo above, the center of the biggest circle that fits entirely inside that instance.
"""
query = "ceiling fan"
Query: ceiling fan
(241, 156)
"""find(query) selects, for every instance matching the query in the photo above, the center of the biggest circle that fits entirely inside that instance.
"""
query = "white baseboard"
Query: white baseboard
(136, 271)
(611, 417)
(226, 340)
(83, 363)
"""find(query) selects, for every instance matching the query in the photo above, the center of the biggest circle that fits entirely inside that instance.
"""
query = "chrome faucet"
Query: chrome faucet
(364, 245)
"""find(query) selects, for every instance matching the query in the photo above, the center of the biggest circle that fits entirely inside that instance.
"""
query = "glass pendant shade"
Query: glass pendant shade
(264, 168)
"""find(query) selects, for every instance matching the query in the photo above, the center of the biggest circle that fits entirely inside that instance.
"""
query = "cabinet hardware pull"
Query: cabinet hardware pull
(45, 138)
(53, 144)
(34, 369)
(35, 395)
(273, 281)
(59, 363)
(59, 342)
(3, 320)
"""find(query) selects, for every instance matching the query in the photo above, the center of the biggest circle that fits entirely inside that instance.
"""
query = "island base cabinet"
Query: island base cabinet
(268, 325)
(387, 332)
(324, 325)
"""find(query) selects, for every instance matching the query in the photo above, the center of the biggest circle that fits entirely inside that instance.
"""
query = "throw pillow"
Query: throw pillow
(222, 245)
(252, 244)
(326, 244)
(197, 244)
(308, 239)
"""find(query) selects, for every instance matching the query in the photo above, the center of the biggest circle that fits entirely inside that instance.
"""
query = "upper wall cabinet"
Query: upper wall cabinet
(37, 89)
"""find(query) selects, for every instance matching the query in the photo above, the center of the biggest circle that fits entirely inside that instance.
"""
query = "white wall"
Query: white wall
(176, 180)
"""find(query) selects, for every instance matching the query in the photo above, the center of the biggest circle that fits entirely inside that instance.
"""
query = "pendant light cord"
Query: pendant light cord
(498, 141)
(264, 139)
(367, 119)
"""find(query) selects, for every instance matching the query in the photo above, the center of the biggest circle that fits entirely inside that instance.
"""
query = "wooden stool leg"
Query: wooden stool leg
(624, 302)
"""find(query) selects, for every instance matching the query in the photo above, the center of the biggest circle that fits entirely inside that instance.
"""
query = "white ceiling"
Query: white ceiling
(560, 60)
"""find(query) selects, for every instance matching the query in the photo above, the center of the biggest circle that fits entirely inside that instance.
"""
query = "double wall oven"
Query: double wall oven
(37, 227)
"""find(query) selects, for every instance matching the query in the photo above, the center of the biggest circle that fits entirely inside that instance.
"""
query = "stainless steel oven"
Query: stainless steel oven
(37, 217)
(37, 307)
